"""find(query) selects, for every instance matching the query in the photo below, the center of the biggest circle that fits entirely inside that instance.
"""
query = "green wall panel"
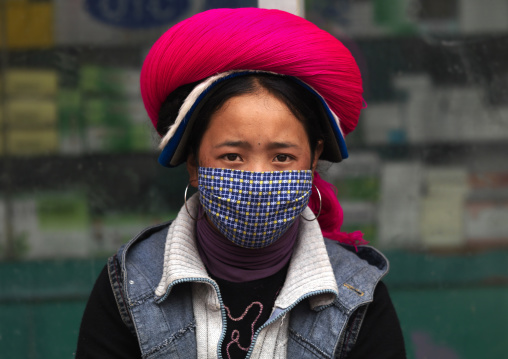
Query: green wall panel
(454, 323)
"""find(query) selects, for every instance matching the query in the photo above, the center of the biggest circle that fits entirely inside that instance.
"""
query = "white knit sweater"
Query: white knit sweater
(309, 271)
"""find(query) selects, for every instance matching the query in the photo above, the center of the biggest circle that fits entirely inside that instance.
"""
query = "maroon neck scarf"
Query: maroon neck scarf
(228, 261)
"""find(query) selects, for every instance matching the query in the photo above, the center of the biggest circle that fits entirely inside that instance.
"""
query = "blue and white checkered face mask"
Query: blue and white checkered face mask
(253, 209)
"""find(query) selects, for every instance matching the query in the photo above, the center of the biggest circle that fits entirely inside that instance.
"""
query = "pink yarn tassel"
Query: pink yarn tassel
(332, 216)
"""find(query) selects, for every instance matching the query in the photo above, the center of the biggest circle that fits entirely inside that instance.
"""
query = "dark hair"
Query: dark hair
(302, 103)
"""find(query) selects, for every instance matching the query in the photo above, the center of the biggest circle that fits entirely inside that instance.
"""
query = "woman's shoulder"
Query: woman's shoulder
(357, 271)
(346, 255)
(147, 242)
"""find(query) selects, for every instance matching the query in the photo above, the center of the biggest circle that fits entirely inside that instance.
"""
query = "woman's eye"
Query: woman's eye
(282, 158)
(232, 157)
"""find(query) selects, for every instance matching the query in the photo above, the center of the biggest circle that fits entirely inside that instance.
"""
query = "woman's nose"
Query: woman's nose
(258, 165)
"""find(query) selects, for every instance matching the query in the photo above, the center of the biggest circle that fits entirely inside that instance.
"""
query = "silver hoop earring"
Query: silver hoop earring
(320, 205)
(185, 201)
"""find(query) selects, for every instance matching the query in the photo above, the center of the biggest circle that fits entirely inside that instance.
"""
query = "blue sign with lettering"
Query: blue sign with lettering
(137, 13)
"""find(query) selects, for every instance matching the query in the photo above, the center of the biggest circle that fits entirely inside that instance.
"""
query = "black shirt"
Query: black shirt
(248, 306)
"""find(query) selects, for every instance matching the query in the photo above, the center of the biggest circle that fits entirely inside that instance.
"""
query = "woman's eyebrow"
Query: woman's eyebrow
(275, 145)
(242, 144)
(245, 144)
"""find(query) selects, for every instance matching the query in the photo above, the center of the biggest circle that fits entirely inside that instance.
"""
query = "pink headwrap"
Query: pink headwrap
(221, 40)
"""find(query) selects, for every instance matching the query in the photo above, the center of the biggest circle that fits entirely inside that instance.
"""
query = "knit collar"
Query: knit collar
(309, 272)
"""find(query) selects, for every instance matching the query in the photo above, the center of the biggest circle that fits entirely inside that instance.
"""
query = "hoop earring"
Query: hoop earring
(320, 205)
(185, 201)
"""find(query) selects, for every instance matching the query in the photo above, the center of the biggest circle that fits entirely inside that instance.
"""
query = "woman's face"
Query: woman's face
(254, 132)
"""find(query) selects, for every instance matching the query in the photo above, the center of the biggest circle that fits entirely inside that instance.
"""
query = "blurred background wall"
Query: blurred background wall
(426, 181)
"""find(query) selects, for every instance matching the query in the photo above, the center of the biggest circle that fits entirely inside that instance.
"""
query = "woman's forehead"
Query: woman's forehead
(255, 117)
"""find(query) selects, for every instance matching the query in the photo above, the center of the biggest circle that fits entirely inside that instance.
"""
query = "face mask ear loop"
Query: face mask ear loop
(320, 205)
(187, 208)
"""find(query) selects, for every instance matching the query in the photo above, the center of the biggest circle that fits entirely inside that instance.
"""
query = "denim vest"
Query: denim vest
(166, 328)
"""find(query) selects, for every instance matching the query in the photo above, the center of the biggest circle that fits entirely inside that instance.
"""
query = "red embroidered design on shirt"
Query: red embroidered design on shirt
(235, 334)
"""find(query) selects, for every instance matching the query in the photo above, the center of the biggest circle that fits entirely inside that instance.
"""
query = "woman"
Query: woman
(250, 99)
